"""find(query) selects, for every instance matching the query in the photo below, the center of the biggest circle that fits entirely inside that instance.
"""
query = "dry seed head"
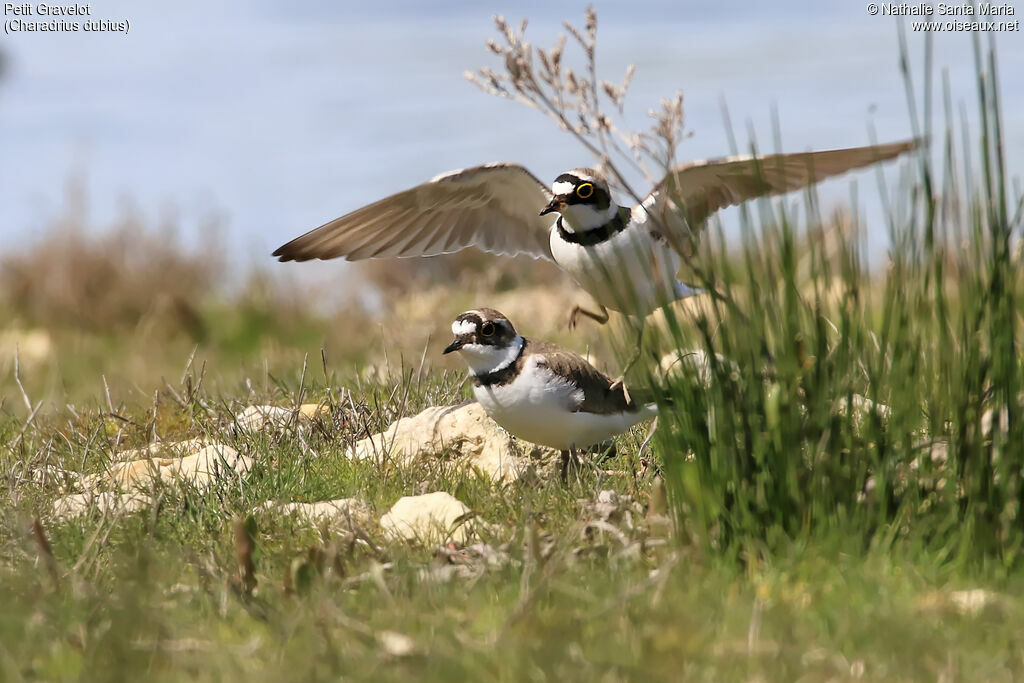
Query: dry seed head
(556, 53)
(513, 66)
(545, 62)
(630, 70)
(574, 32)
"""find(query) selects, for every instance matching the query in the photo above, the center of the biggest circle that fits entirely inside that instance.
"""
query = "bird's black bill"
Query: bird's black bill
(454, 346)
(554, 205)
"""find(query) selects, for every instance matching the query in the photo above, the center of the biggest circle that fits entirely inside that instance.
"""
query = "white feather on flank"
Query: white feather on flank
(541, 406)
(461, 327)
(484, 358)
(562, 188)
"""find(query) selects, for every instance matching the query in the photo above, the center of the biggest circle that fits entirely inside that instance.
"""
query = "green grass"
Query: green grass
(774, 458)
(154, 594)
(809, 540)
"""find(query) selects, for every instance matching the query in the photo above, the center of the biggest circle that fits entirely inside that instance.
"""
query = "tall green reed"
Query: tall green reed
(878, 407)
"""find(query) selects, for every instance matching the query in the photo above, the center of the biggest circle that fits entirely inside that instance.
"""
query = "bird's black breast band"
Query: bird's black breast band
(503, 376)
(596, 235)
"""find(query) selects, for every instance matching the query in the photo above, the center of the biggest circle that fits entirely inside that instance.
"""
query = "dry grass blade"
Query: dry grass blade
(45, 551)
(245, 579)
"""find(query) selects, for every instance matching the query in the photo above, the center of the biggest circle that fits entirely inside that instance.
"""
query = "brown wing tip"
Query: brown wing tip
(287, 252)
(896, 148)
(283, 254)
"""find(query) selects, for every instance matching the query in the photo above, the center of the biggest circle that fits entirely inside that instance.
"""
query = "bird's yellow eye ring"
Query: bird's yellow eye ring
(487, 330)
(584, 190)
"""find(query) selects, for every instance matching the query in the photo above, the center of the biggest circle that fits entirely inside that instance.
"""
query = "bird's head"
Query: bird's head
(583, 199)
(486, 340)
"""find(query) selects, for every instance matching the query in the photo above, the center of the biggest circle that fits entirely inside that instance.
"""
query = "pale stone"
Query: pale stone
(311, 411)
(129, 479)
(164, 449)
(429, 519)
(79, 504)
(277, 418)
(464, 430)
(199, 469)
(260, 418)
(396, 644)
(972, 602)
(344, 512)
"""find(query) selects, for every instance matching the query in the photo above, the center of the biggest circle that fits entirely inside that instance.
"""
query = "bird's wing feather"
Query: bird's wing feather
(493, 207)
(693, 191)
(598, 395)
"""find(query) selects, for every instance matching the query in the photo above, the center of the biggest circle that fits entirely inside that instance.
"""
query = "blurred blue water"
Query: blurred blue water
(280, 116)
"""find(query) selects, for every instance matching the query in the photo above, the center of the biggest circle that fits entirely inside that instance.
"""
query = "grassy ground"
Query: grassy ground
(157, 594)
(842, 487)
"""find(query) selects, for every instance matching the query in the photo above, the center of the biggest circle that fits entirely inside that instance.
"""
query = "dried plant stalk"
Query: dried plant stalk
(576, 100)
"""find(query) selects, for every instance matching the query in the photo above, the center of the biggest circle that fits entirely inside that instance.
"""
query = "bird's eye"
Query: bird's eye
(487, 330)
(584, 190)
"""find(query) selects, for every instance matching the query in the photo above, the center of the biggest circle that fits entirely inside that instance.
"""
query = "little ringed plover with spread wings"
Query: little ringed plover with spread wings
(540, 392)
(626, 258)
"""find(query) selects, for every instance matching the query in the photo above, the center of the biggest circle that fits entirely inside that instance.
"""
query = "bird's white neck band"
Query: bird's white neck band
(484, 359)
(583, 217)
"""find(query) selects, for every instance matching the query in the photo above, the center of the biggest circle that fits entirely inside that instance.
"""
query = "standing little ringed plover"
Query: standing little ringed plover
(537, 391)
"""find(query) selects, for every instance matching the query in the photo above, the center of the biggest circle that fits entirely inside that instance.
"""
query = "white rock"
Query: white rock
(343, 512)
(164, 449)
(125, 485)
(79, 504)
(465, 430)
(199, 470)
(430, 519)
(396, 644)
(277, 418)
(972, 602)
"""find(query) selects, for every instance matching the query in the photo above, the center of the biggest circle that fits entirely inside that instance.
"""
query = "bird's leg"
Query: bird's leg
(569, 459)
(621, 381)
(574, 317)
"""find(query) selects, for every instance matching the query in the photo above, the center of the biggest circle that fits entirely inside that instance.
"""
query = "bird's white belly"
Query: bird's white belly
(539, 406)
(631, 272)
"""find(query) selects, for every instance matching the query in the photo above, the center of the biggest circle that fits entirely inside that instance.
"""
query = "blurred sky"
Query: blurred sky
(280, 116)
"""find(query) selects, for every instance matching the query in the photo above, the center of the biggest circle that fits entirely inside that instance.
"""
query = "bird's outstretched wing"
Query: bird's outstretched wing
(493, 207)
(692, 191)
